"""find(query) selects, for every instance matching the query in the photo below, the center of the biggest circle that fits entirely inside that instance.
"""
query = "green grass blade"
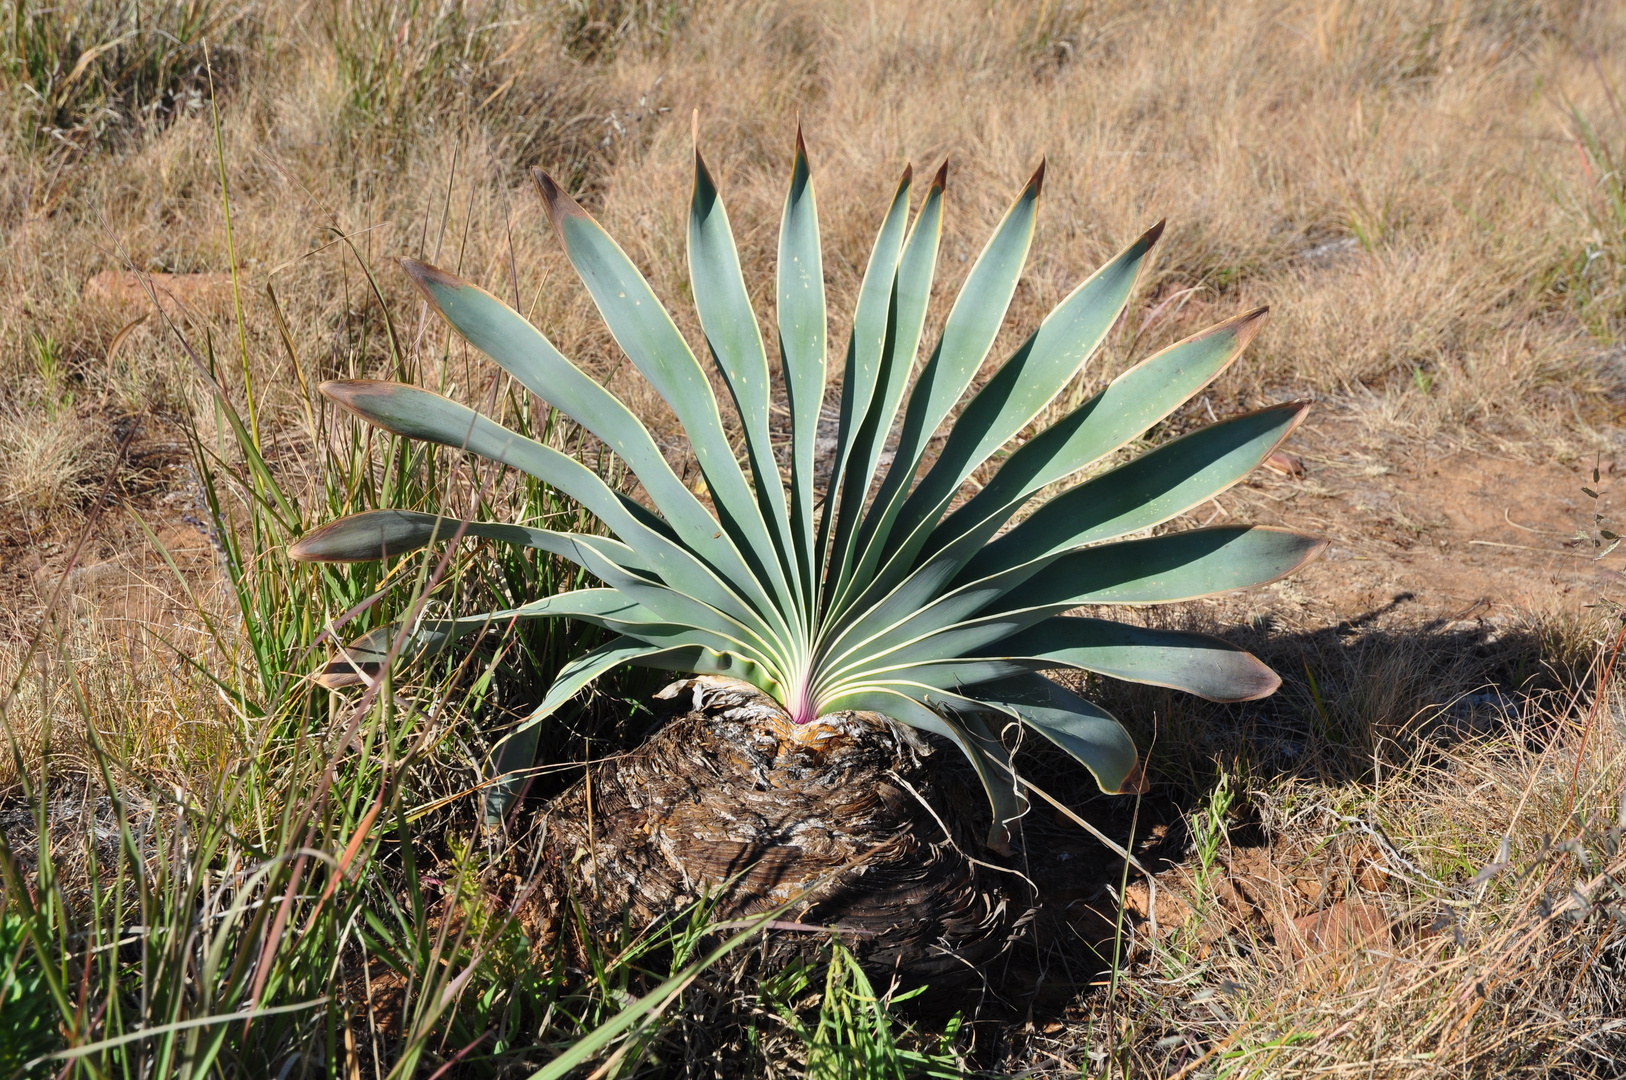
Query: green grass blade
(651, 1004)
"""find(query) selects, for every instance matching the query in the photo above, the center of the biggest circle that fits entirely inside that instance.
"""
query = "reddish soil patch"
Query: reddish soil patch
(1456, 534)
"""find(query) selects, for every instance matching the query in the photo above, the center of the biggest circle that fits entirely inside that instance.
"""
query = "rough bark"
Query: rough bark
(856, 822)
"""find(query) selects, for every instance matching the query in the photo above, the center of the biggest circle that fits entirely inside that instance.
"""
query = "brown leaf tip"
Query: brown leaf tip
(560, 205)
(341, 673)
(1036, 182)
(1152, 235)
(1247, 325)
(344, 392)
(1135, 783)
(424, 274)
(940, 181)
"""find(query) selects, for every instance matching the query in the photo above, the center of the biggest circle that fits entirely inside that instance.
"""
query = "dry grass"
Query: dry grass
(1397, 180)
(1408, 184)
(1392, 930)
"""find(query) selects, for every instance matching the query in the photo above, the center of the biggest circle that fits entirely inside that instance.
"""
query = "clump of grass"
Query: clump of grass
(26, 1012)
(320, 892)
(848, 1031)
(1600, 206)
(51, 457)
(409, 67)
(595, 30)
(89, 74)
(49, 465)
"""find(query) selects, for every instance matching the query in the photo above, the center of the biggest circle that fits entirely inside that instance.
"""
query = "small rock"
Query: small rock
(1332, 249)
(123, 288)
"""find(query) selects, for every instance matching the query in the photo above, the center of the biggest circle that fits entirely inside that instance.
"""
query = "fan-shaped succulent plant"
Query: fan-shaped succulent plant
(888, 598)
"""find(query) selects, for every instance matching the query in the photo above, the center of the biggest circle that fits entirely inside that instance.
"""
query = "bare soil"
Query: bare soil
(1444, 532)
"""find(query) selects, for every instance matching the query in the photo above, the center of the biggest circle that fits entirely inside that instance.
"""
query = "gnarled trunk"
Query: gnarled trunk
(856, 821)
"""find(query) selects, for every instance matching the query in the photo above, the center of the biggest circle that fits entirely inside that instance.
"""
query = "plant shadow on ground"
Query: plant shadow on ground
(1375, 698)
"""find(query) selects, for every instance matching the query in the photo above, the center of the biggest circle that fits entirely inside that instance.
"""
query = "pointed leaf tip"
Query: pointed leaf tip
(1247, 324)
(908, 173)
(560, 205)
(1036, 182)
(940, 181)
(702, 174)
(1135, 783)
(423, 274)
(1152, 235)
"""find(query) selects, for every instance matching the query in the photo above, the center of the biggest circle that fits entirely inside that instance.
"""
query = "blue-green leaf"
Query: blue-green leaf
(420, 414)
(866, 362)
(1050, 358)
(1082, 728)
(973, 323)
(1166, 569)
(1131, 403)
(1160, 569)
(651, 341)
(522, 351)
(1045, 363)
(384, 534)
(803, 342)
(730, 326)
(1146, 492)
(1200, 664)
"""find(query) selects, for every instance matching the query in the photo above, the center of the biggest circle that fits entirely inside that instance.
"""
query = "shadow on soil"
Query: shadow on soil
(1383, 691)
